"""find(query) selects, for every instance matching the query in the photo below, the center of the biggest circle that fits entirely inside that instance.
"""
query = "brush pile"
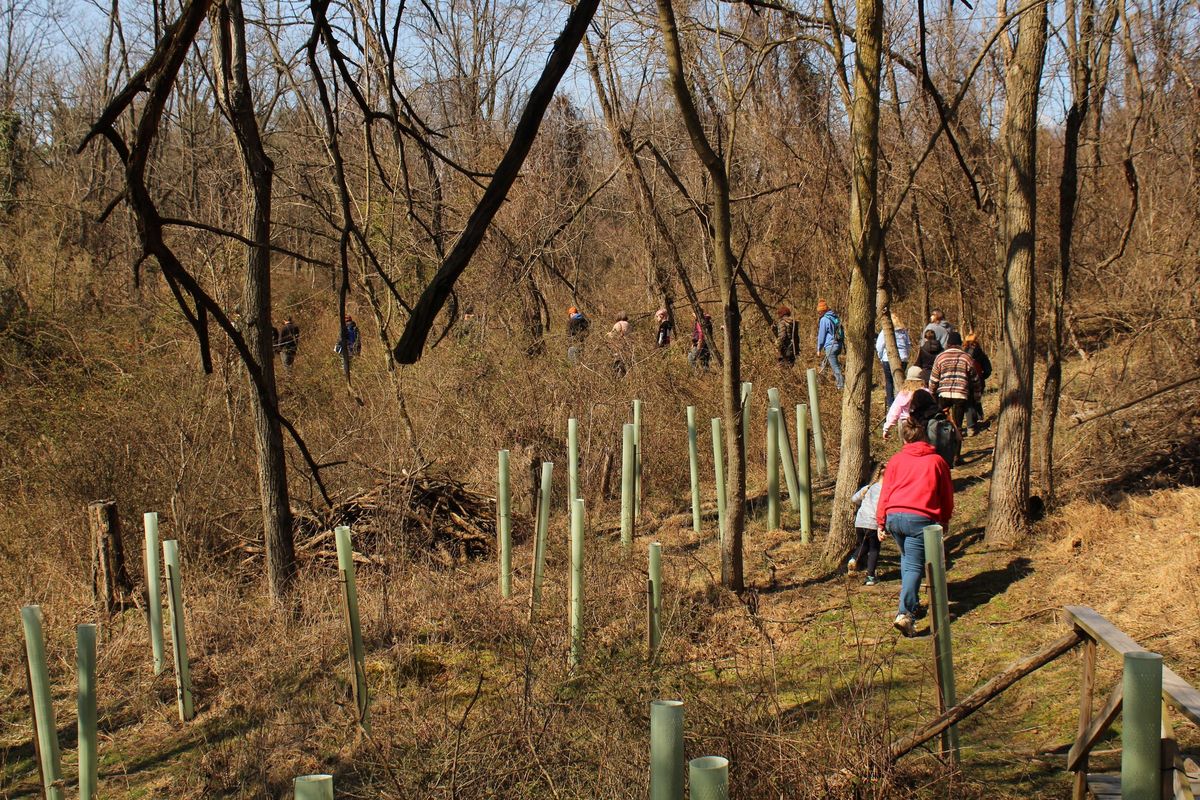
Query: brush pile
(425, 516)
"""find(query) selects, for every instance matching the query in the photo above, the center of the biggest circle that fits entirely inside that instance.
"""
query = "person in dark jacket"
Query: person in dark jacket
(916, 493)
(288, 342)
(350, 338)
(930, 348)
(787, 337)
(975, 418)
(666, 328)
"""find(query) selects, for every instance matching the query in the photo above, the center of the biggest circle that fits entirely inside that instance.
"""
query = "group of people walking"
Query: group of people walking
(286, 340)
(620, 338)
(938, 404)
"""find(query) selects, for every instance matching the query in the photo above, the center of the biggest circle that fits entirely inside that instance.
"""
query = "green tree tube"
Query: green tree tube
(747, 388)
(773, 468)
(577, 518)
(785, 451)
(183, 672)
(694, 463)
(313, 787)
(628, 485)
(85, 665)
(654, 635)
(504, 525)
(572, 463)
(358, 659)
(45, 728)
(154, 589)
(817, 434)
(666, 750)
(719, 470)
(637, 459)
(803, 473)
(935, 557)
(708, 777)
(1141, 727)
(540, 536)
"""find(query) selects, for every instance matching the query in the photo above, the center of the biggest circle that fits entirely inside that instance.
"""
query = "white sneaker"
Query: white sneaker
(904, 624)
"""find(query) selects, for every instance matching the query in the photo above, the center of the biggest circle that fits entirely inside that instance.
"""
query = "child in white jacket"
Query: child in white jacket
(867, 499)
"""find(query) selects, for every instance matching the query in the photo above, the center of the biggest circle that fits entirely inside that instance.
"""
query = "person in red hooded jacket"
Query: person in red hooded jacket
(917, 492)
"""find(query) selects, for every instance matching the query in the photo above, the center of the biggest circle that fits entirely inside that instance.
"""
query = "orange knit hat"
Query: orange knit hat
(822, 306)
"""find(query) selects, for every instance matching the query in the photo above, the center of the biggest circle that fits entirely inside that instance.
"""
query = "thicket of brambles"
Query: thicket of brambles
(176, 178)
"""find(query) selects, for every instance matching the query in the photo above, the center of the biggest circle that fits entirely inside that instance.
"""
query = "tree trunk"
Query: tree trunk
(234, 91)
(883, 300)
(1008, 516)
(111, 586)
(723, 263)
(1081, 51)
(865, 245)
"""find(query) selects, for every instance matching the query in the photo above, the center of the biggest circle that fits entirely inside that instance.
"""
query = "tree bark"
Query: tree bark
(1008, 516)
(724, 266)
(111, 586)
(865, 244)
(233, 82)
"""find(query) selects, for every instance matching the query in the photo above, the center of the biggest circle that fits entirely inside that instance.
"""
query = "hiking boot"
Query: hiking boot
(851, 566)
(870, 581)
(904, 624)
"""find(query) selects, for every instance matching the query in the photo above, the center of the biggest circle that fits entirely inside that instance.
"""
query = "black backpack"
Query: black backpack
(942, 434)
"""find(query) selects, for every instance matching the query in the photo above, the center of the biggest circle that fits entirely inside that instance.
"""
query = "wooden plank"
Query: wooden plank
(1180, 695)
(1087, 683)
(1108, 787)
(1084, 744)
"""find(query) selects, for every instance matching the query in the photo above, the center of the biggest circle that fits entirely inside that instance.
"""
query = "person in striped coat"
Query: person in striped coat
(955, 380)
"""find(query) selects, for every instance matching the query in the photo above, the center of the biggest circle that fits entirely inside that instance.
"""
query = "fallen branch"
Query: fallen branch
(1084, 418)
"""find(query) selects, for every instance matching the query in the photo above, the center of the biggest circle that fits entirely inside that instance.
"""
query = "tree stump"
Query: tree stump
(111, 586)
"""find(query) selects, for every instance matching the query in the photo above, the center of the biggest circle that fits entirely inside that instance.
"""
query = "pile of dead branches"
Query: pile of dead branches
(420, 515)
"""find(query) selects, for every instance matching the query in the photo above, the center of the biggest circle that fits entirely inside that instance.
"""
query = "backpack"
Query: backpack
(839, 332)
(790, 341)
(942, 434)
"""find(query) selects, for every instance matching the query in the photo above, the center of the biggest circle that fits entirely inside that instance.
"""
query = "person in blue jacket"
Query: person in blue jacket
(829, 341)
(903, 345)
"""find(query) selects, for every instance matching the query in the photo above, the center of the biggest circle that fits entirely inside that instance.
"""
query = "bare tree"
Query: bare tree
(724, 263)
(1008, 507)
(866, 241)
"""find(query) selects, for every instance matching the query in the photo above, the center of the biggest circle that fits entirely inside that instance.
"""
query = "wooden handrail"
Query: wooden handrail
(977, 699)
(1087, 740)
(1178, 693)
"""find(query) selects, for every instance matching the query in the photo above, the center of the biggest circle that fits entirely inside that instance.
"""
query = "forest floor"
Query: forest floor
(810, 653)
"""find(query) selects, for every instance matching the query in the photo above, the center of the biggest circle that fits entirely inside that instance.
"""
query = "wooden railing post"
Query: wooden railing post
(1087, 682)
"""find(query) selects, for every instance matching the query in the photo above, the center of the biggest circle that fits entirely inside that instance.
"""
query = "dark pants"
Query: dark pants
(289, 356)
(889, 386)
(955, 410)
(868, 548)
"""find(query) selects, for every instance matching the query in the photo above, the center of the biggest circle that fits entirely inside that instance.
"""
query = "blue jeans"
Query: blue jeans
(831, 358)
(907, 529)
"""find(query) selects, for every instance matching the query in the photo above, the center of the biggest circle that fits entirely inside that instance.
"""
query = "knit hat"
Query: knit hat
(572, 311)
(784, 311)
(954, 339)
(661, 315)
(972, 338)
(914, 374)
(822, 306)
